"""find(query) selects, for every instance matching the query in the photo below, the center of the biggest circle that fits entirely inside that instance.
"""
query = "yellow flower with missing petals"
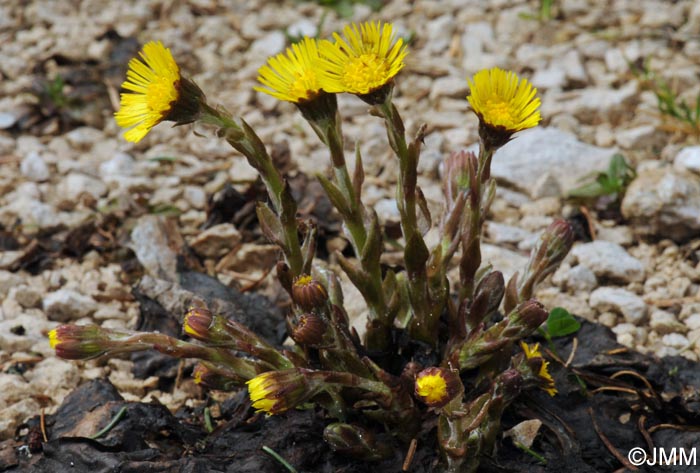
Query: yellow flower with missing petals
(292, 76)
(362, 62)
(158, 93)
(543, 375)
(504, 104)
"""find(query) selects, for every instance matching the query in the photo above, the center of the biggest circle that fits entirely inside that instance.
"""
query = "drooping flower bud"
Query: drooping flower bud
(309, 329)
(308, 293)
(437, 386)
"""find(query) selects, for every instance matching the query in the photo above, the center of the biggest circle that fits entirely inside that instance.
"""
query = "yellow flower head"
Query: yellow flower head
(504, 103)
(366, 59)
(292, 76)
(545, 378)
(155, 89)
(437, 386)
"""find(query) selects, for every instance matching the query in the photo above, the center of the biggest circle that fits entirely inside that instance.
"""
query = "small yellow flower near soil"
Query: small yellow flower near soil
(547, 382)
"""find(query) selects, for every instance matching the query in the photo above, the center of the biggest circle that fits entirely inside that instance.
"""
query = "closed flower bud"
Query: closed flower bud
(309, 329)
(197, 323)
(210, 377)
(355, 441)
(308, 293)
(531, 314)
(78, 342)
(456, 173)
(437, 386)
(277, 391)
(510, 384)
(556, 241)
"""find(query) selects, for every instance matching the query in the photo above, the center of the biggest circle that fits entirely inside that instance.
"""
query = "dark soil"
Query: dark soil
(580, 433)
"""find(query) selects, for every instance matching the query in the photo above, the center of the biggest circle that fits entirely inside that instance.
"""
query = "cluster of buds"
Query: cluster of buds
(413, 314)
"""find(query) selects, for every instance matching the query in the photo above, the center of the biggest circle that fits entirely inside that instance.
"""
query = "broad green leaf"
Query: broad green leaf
(561, 323)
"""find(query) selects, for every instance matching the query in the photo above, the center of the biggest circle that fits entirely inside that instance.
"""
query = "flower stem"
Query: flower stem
(244, 139)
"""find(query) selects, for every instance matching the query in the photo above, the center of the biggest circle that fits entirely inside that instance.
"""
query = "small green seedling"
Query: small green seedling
(613, 182)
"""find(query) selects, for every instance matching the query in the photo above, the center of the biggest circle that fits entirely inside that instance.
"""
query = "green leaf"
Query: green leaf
(561, 323)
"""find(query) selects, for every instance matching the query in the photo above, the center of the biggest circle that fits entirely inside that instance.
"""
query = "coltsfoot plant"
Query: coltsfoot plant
(430, 349)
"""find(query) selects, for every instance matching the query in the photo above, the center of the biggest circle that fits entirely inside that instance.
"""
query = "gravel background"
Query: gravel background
(64, 163)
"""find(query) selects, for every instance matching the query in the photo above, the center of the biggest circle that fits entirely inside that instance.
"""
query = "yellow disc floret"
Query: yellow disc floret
(53, 338)
(153, 83)
(431, 388)
(501, 100)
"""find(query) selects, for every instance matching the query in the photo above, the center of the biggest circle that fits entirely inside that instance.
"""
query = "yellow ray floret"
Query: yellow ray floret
(292, 76)
(502, 100)
(543, 373)
(365, 59)
(153, 83)
(262, 393)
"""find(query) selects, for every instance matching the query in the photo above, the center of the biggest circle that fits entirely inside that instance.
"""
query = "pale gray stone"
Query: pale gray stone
(7, 120)
(500, 233)
(664, 322)
(688, 159)
(269, 45)
(503, 260)
(609, 260)
(216, 241)
(76, 184)
(631, 306)
(536, 152)
(150, 242)
(675, 340)
(34, 168)
(121, 164)
(8, 280)
(664, 202)
(66, 304)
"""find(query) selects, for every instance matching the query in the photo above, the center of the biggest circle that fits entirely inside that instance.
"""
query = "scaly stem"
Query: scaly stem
(378, 327)
(471, 244)
(244, 139)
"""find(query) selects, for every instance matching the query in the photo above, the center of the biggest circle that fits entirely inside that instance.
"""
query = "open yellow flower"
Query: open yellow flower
(545, 378)
(364, 61)
(437, 386)
(158, 93)
(292, 76)
(504, 104)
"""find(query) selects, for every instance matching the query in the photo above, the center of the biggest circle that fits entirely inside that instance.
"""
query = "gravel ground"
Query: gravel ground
(65, 164)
